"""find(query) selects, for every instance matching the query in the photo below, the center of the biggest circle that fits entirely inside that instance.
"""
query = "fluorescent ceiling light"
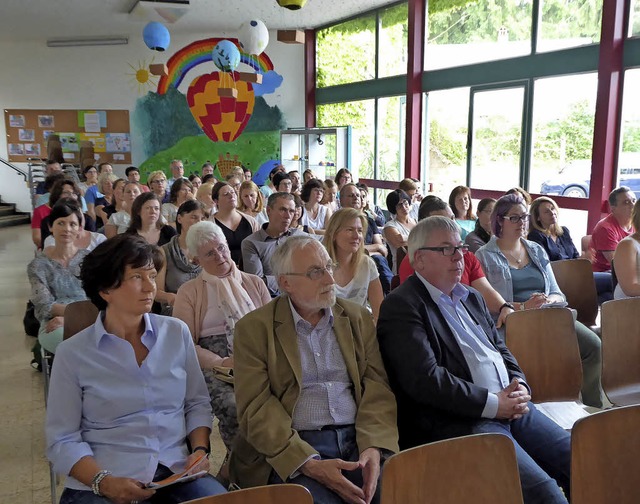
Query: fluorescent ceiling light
(87, 41)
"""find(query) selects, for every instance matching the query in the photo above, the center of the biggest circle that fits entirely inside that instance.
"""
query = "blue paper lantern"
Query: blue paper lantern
(226, 56)
(156, 36)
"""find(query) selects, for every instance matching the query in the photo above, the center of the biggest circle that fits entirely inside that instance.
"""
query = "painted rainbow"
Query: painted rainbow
(200, 52)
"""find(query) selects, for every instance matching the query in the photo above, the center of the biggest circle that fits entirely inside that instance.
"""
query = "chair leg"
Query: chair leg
(47, 359)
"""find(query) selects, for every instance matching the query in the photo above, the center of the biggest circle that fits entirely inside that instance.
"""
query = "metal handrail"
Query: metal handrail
(15, 168)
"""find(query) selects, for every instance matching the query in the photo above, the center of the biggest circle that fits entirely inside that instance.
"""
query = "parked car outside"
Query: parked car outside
(574, 179)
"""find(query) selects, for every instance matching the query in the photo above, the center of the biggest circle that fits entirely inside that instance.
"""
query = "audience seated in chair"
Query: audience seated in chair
(451, 371)
(258, 247)
(626, 265)
(314, 405)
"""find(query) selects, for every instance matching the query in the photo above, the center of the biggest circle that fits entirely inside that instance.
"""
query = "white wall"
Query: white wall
(34, 76)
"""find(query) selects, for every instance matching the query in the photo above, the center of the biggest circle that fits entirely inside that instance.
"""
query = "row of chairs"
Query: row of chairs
(482, 468)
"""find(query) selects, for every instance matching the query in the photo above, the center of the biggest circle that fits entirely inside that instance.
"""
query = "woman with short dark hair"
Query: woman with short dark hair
(316, 215)
(53, 274)
(181, 190)
(396, 230)
(128, 404)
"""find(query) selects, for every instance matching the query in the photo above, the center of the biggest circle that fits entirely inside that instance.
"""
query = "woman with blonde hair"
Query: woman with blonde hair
(157, 182)
(330, 199)
(203, 195)
(545, 230)
(462, 206)
(251, 202)
(119, 222)
(355, 274)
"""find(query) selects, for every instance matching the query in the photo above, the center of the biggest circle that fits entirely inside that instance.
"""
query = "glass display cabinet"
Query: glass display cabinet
(322, 150)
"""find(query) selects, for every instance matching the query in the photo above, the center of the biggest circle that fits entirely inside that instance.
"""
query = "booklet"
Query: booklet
(181, 477)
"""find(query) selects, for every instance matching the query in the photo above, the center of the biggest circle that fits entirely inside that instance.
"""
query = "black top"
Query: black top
(562, 248)
(166, 233)
(234, 238)
(372, 229)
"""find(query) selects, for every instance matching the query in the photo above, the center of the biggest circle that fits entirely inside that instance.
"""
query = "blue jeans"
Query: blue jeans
(604, 286)
(330, 444)
(543, 450)
(180, 492)
(384, 271)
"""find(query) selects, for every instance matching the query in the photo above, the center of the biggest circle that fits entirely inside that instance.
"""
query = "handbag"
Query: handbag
(224, 374)
(30, 322)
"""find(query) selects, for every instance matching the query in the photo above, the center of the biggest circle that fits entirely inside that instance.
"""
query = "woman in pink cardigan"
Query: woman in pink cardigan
(210, 305)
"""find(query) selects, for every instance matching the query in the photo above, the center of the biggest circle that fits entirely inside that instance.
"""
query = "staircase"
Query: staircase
(10, 217)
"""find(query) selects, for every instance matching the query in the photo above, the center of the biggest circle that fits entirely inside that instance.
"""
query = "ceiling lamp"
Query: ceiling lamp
(292, 4)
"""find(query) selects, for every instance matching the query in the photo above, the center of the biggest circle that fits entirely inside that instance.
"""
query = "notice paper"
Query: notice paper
(92, 122)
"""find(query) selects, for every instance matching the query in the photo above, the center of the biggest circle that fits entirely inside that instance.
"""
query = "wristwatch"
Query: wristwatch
(205, 449)
(507, 305)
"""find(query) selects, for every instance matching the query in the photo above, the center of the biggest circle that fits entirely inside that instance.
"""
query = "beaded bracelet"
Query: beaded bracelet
(97, 479)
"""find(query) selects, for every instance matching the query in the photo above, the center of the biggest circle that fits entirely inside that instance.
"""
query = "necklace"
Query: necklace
(518, 260)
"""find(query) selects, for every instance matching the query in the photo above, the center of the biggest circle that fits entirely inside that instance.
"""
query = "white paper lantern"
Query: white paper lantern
(253, 37)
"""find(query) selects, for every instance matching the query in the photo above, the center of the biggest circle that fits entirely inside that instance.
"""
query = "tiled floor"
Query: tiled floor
(24, 472)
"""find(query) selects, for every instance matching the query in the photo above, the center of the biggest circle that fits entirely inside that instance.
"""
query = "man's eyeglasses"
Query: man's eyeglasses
(449, 250)
(316, 273)
(516, 218)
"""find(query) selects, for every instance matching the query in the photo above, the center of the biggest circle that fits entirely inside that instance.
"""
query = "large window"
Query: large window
(392, 52)
(346, 52)
(445, 147)
(568, 23)
(478, 31)
(360, 115)
(629, 157)
(563, 117)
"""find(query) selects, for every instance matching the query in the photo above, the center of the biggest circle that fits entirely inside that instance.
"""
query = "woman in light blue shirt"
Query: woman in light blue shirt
(127, 396)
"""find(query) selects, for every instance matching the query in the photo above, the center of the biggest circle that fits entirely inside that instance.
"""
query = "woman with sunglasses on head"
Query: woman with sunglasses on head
(521, 272)
(396, 230)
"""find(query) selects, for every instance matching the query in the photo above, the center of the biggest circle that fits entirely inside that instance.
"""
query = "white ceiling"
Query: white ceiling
(46, 19)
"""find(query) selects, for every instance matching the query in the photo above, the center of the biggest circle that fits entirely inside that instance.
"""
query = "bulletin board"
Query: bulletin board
(108, 131)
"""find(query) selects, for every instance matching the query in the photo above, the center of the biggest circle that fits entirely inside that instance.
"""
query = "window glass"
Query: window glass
(563, 118)
(568, 23)
(391, 137)
(483, 30)
(392, 58)
(629, 157)
(497, 126)
(634, 19)
(346, 52)
(360, 115)
(445, 146)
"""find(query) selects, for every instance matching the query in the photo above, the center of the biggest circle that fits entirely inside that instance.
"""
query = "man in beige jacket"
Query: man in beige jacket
(314, 404)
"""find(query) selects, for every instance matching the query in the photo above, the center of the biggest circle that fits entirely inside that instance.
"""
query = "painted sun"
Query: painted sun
(142, 78)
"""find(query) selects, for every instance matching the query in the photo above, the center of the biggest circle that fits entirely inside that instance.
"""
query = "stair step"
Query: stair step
(7, 209)
(14, 220)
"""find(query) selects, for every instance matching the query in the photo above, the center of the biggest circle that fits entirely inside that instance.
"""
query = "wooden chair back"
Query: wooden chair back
(481, 468)
(575, 278)
(270, 494)
(585, 244)
(605, 456)
(545, 345)
(395, 281)
(400, 255)
(78, 316)
(621, 351)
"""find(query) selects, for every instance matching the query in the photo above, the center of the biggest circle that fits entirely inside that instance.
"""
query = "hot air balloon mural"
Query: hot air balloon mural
(222, 118)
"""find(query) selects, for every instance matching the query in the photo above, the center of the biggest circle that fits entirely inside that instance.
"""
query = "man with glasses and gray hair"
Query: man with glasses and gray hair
(314, 404)
(451, 371)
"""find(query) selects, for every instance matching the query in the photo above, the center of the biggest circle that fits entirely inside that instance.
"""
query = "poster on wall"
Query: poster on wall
(69, 142)
(118, 142)
(26, 135)
(16, 121)
(16, 149)
(46, 121)
(32, 149)
(46, 134)
(97, 139)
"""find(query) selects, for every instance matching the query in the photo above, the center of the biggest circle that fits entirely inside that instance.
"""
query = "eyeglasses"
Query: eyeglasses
(220, 250)
(159, 181)
(316, 273)
(403, 203)
(516, 218)
(449, 250)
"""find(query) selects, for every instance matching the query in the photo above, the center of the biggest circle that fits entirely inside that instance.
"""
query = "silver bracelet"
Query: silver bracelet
(97, 479)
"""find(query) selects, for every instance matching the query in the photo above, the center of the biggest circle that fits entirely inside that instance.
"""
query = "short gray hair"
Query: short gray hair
(281, 258)
(201, 233)
(419, 235)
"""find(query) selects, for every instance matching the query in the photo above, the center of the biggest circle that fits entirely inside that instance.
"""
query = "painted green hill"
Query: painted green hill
(252, 150)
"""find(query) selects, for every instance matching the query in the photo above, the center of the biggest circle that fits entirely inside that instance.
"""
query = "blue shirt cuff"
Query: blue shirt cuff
(491, 407)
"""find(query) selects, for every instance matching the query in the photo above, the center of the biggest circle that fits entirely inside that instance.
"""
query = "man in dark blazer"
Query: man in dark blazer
(452, 373)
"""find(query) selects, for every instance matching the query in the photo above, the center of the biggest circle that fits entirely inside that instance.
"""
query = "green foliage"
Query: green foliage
(631, 138)
(163, 120)
(252, 150)
(448, 149)
(573, 134)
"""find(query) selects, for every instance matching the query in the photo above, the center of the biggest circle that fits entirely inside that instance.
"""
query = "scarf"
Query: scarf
(482, 234)
(176, 256)
(232, 298)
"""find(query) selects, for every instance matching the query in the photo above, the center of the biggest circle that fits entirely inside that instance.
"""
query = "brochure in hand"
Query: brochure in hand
(181, 477)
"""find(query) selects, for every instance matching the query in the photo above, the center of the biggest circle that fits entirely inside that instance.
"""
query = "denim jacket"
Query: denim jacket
(496, 268)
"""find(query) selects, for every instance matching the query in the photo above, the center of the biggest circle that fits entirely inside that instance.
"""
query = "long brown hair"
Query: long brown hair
(337, 221)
